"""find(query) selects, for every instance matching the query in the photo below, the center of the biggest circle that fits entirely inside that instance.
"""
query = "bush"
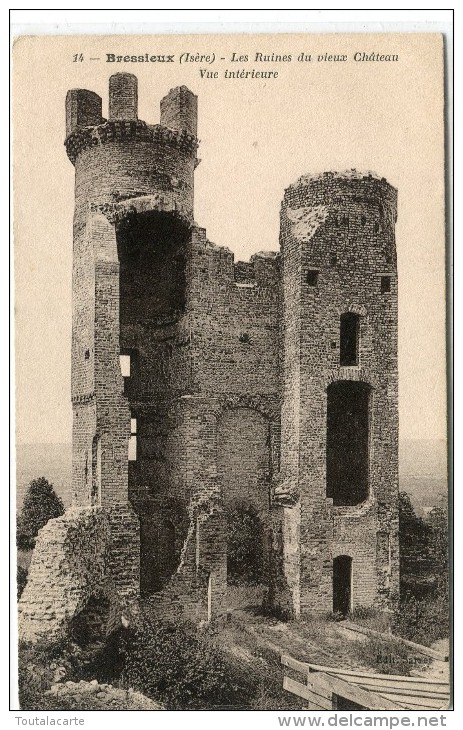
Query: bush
(41, 504)
(37, 667)
(372, 618)
(21, 580)
(423, 621)
(335, 616)
(245, 546)
(183, 669)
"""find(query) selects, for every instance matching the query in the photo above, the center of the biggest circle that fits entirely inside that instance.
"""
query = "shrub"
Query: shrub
(415, 539)
(182, 668)
(335, 616)
(37, 667)
(245, 546)
(41, 504)
(21, 580)
(372, 618)
(363, 613)
(423, 621)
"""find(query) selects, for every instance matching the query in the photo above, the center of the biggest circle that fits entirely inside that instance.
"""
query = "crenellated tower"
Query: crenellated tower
(340, 400)
(133, 212)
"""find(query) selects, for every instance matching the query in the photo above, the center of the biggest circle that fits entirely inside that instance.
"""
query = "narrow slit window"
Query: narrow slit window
(385, 284)
(133, 440)
(349, 339)
(312, 277)
(125, 365)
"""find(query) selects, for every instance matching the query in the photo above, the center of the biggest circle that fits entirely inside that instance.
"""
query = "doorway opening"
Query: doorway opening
(342, 584)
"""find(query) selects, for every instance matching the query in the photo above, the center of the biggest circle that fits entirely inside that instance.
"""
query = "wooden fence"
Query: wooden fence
(329, 688)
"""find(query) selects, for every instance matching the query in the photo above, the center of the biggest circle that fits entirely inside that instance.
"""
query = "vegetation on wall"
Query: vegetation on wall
(423, 614)
(245, 546)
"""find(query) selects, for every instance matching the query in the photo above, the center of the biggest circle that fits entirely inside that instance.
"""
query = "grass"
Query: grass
(245, 597)
(255, 642)
(372, 618)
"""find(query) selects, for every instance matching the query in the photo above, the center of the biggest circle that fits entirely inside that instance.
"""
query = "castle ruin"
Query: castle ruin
(204, 388)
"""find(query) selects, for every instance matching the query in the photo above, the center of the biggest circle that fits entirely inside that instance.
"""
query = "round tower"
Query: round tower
(340, 406)
(124, 157)
(132, 220)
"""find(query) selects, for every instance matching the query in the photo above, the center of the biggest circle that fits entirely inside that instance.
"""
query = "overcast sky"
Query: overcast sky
(257, 136)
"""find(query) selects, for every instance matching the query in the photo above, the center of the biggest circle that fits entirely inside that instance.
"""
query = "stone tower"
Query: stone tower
(133, 209)
(340, 402)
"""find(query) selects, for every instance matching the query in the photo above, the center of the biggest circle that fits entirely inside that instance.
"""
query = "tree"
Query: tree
(437, 519)
(21, 580)
(41, 504)
(414, 539)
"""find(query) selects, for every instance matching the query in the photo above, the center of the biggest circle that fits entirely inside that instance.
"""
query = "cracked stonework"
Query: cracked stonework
(306, 221)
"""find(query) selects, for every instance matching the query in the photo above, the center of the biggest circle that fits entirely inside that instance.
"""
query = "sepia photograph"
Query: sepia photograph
(230, 368)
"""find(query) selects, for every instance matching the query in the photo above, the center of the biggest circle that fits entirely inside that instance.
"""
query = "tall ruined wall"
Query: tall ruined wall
(338, 250)
(69, 567)
(215, 359)
(235, 315)
(116, 161)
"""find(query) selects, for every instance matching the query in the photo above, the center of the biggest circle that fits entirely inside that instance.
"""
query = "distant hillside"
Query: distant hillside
(422, 467)
(52, 461)
(423, 472)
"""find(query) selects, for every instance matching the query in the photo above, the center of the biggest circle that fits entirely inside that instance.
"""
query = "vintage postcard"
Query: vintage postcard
(230, 372)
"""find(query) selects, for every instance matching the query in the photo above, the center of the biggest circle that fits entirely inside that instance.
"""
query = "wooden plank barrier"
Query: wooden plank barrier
(328, 688)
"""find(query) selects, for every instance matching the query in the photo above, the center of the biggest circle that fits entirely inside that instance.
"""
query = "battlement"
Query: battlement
(125, 131)
(83, 109)
(123, 97)
(85, 125)
(179, 110)
(328, 188)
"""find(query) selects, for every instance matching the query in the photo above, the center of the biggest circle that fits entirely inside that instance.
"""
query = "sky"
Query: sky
(256, 137)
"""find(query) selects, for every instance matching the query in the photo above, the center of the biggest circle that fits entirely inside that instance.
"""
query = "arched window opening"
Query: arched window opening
(349, 339)
(347, 442)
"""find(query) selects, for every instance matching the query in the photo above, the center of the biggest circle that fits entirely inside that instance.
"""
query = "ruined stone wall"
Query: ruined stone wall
(340, 227)
(70, 565)
(244, 459)
(217, 355)
(234, 320)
